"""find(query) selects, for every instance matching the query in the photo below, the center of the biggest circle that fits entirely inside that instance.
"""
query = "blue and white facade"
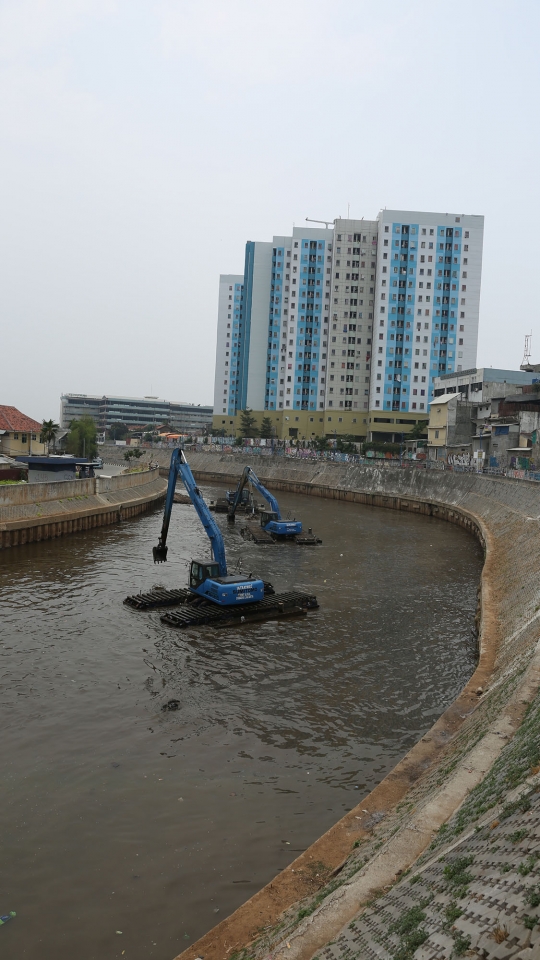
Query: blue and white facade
(298, 321)
(346, 329)
(273, 326)
(427, 306)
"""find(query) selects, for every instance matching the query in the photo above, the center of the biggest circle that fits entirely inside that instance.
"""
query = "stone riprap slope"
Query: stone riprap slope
(476, 892)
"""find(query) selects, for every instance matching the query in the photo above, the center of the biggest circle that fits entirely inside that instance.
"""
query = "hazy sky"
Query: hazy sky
(142, 143)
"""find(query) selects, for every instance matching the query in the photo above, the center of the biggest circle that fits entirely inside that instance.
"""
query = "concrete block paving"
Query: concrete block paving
(471, 902)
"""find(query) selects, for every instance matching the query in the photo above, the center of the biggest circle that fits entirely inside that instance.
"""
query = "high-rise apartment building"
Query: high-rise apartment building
(231, 289)
(353, 283)
(343, 331)
(272, 346)
(426, 310)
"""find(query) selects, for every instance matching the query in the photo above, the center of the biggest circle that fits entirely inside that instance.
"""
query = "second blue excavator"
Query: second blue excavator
(271, 527)
(270, 519)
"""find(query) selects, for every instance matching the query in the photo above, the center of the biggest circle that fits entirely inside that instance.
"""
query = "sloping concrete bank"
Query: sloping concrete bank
(41, 511)
(310, 903)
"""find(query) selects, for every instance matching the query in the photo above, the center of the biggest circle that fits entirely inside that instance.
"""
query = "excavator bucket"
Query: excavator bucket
(160, 553)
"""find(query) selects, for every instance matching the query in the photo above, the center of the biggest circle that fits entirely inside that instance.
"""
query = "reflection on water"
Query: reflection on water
(118, 815)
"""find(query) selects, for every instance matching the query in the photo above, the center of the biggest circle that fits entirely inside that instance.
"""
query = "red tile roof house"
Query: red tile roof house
(19, 434)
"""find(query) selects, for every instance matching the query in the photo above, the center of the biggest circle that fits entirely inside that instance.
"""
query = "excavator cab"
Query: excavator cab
(201, 571)
(281, 529)
(268, 516)
(206, 581)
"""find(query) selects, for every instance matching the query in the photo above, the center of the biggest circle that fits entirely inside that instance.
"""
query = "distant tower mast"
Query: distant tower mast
(527, 351)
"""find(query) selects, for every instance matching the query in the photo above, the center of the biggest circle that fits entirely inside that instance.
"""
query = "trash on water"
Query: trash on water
(118, 931)
(7, 916)
(171, 705)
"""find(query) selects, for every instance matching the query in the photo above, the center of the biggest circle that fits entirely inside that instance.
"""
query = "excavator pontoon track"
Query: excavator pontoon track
(161, 597)
(193, 611)
(254, 531)
(204, 613)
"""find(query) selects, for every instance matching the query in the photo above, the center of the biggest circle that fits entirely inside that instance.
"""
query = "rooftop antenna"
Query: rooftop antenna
(326, 222)
(527, 351)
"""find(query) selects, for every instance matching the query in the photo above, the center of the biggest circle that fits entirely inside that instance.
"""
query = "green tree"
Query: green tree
(49, 429)
(321, 443)
(118, 431)
(247, 423)
(345, 444)
(81, 439)
(147, 438)
(418, 431)
(267, 429)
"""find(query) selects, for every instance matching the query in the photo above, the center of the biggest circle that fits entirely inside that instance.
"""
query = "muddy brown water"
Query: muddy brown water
(117, 815)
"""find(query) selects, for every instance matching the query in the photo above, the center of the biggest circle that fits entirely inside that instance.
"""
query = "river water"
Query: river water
(119, 816)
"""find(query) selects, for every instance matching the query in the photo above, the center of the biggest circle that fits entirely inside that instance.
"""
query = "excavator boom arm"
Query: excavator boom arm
(231, 512)
(249, 474)
(180, 466)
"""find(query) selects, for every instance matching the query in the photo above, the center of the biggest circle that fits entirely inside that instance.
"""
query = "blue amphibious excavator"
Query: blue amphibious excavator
(271, 520)
(206, 579)
(213, 597)
(271, 527)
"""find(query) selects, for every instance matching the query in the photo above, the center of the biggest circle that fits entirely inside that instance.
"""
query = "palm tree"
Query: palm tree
(49, 429)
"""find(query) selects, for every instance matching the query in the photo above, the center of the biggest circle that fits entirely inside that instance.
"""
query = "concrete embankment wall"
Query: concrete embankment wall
(385, 834)
(41, 511)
